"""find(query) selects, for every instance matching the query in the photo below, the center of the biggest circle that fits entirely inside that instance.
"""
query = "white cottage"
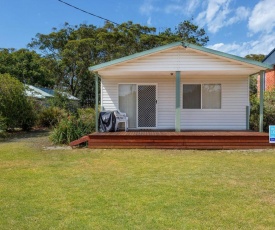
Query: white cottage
(179, 87)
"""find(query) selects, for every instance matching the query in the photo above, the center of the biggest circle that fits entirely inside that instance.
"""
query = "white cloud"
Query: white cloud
(192, 5)
(149, 21)
(262, 18)
(216, 8)
(182, 7)
(227, 48)
(172, 8)
(215, 14)
(242, 13)
(262, 45)
(218, 14)
(186, 7)
(147, 7)
(261, 34)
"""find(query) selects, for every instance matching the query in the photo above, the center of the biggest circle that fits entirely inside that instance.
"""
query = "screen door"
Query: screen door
(147, 106)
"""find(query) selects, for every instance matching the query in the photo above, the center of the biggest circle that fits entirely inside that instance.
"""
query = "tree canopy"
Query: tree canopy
(27, 66)
(61, 58)
(253, 79)
(255, 57)
(73, 49)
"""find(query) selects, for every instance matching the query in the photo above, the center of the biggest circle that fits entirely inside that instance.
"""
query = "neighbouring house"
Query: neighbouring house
(41, 93)
(179, 86)
(35, 92)
(269, 80)
(51, 92)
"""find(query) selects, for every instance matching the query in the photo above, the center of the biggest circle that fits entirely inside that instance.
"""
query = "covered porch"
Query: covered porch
(179, 79)
(192, 88)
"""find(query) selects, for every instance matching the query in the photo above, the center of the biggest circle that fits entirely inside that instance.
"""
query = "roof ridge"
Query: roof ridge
(184, 44)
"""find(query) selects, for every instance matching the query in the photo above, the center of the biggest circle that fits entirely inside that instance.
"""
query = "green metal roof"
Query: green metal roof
(184, 44)
(32, 91)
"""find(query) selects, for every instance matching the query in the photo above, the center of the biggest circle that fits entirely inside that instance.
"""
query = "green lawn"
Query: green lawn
(134, 189)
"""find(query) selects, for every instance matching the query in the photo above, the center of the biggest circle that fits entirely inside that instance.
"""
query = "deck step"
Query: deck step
(79, 141)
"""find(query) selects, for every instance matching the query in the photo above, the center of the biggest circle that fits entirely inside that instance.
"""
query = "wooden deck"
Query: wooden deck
(179, 140)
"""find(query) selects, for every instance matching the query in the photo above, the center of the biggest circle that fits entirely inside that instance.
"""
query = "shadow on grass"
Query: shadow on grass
(18, 135)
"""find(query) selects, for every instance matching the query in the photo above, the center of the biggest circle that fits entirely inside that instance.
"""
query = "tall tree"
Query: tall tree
(191, 33)
(253, 79)
(25, 65)
(255, 57)
(73, 49)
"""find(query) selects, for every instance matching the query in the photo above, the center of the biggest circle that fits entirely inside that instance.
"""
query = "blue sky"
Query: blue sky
(235, 26)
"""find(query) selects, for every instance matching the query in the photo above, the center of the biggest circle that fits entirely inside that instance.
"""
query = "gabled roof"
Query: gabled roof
(41, 93)
(32, 91)
(51, 92)
(271, 55)
(186, 45)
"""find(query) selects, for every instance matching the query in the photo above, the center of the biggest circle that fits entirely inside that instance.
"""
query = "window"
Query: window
(127, 102)
(191, 96)
(211, 96)
(205, 96)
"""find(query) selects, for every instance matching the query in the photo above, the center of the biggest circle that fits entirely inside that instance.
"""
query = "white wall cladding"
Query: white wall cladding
(232, 115)
(165, 96)
(196, 67)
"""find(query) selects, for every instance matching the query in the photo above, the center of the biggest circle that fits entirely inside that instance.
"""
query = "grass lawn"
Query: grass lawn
(134, 189)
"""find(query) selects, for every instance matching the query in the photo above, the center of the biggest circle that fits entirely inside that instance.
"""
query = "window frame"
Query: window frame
(157, 99)
(201, 84)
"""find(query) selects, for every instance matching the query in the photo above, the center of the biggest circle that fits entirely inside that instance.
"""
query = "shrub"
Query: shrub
(68, 130)
(269, 111)
(74, 127)
(61, 100)
(87, 115)
(3, 126)
(29, 116)
(49, 117)
(254, 113)
(14, 105)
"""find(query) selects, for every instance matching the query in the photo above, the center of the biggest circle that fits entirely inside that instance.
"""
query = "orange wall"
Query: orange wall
(269, 80)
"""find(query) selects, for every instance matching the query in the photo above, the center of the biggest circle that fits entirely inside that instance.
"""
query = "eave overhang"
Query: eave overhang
(258, 65)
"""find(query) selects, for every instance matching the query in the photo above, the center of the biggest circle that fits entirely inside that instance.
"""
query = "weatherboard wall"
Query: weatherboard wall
(234, 99)
(196, 67)
(165, 96)
(232, 115)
